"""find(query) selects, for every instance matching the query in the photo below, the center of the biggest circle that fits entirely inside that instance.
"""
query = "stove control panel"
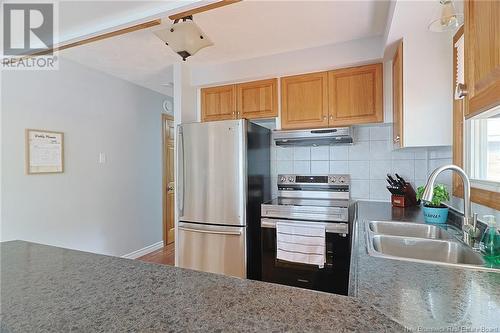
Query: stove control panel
(336, 179)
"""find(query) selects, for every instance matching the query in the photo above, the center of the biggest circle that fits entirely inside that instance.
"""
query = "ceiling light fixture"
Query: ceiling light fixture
(447, 17)
(184, 37)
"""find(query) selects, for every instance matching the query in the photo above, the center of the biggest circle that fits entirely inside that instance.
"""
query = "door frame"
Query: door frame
(165, 181)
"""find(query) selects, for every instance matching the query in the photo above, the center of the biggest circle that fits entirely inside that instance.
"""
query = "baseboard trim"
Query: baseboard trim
(144, 251)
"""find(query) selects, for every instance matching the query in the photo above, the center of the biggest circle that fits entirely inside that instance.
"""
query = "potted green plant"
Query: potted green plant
(435, 211)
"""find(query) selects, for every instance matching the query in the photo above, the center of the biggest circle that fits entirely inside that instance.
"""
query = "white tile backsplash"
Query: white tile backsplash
(339, 167)
(359, 150)
(440, 152)
(320, 167)
(378, 190)
(302, 153)
(404, 168)
(284, 167)
(380, 169)
(339, 153)
(359, 169)
(302, 167)
(368, 161)
(380, 150)
(420, 170)
(403, 154)
(284, 153)
(360, 189)
(361, 133)
(320, 153)
(380, 133)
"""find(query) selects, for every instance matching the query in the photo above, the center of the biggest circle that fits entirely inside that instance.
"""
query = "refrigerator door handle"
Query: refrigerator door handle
(235, 233)
(180, 192)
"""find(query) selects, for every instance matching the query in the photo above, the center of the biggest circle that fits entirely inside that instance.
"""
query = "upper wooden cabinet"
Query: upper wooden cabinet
(482, 54)
(249, 100)
(397, 96)
(218, 103)
(304, 101)
(356, 95)
(258, 99)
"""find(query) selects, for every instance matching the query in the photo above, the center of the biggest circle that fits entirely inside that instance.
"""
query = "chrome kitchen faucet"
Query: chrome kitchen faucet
(470, 220)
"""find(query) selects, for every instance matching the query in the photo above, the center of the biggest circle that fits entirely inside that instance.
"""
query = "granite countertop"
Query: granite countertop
(421, 296)
(49, 289)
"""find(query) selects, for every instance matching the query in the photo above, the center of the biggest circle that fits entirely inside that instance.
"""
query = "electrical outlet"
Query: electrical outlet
(102, 158)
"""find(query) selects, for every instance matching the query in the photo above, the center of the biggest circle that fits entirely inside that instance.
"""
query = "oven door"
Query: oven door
(333, 278)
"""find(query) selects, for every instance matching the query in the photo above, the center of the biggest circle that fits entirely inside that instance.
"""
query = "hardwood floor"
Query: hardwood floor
(165, 255)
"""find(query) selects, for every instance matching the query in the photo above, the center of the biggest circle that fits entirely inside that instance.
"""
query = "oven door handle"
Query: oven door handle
(333, 228)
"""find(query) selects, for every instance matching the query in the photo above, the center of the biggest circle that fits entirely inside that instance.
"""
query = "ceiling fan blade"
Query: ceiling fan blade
(202, 9)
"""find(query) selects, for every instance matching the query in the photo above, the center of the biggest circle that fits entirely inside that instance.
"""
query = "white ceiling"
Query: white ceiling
(78, 19)
(250, 29)
(242, 30)
(139, 57)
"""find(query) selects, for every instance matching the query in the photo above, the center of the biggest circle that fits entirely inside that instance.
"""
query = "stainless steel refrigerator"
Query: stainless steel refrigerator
(224, 176)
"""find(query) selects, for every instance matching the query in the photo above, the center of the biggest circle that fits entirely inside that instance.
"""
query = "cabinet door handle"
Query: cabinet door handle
(324, 117)
(397, 139)
(461, 91)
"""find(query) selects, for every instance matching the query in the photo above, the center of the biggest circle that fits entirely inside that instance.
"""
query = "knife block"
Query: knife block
(408, 199)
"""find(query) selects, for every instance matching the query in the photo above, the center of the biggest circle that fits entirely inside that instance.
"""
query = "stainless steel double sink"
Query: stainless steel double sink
(419, 242)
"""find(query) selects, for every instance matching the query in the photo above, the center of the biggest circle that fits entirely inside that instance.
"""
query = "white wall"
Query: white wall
(427, 73)
(112, 208)
(326, 57)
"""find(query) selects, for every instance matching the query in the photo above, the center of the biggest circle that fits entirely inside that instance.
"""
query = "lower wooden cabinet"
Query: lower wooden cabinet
(304, 101)
(258, 99)
(356, 95)
(218, 103)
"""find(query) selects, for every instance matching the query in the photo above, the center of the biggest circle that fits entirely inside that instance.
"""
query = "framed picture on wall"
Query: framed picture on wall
(44, 151)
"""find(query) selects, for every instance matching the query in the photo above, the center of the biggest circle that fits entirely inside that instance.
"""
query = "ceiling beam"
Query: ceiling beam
(115, 33)
(202, 9)
(133, 28)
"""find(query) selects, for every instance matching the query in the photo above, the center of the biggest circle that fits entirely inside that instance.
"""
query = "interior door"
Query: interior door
(168, 181)
(212, 185)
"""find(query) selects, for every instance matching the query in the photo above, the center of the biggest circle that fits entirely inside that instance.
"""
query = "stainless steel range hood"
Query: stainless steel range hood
(315, 137)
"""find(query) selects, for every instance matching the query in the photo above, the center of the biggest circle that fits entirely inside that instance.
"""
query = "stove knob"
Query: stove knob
(332, 179)
(342, 179)
(290, 179)
(283, 179)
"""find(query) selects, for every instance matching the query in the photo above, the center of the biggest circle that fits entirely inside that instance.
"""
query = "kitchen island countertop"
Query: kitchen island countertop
(45, 288)
(49, 289)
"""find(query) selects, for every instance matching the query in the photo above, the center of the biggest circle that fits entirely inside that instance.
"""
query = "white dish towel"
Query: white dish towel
(301, 243)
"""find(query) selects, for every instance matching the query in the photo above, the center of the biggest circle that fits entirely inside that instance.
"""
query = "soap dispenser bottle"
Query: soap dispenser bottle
(490, 243)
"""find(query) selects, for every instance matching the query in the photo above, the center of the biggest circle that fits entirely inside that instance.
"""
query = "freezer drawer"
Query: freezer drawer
(211, 248)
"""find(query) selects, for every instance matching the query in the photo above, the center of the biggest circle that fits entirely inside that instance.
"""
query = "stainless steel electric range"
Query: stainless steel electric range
(310, 200)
